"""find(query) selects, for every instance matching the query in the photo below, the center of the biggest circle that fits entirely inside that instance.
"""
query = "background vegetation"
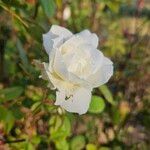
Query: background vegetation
(119, 115)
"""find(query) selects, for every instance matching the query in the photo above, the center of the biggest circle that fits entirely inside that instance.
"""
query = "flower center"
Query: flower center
(80, 66)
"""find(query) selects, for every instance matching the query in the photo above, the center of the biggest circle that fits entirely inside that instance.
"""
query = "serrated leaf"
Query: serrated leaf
(107, 94)
(97, 105)
(48, 7)
(10, 93)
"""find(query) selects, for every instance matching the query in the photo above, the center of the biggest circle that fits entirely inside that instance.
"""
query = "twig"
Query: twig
(93, 13)
(36, 10)
(13, 141)
(1, 58)
(14, 15)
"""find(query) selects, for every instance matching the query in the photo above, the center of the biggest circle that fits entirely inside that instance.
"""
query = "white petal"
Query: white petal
(91, 38)
(46, 75)
(76, 80)
(77, 103)
(70, 45)
(48, 42)
(84, 61)
(55, 37)
(97, 57)
(59, 65)
(84, 37)
(61, 31)
(60, 68)
(60, 97)
(103, 74)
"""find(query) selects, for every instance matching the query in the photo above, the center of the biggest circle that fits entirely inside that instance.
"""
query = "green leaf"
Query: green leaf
(97, 105)
(29, 146)
(48, 7)
(7, 117)
(107, 94)
(60, 128)
(22, 53)
(62, 144)
(113, 7)
(91, 147)
(35, 140)
(36, 32)
(15, 109)
(77, 143)
(36, 105)
(9, 121)
(3, 113)
(10, 93)
(116, 116)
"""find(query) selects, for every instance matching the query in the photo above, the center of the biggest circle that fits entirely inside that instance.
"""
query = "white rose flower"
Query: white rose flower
(75, 67)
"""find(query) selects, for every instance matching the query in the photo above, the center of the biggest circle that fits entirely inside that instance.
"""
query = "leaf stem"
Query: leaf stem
(14, 15)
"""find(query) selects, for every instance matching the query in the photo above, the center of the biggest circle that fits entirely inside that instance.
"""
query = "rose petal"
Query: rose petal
(60, 68)
(91, 38)
(59, 65)
(61, 31)
(77, 103)
(103, 74)
(70, 45)
(60, 97)
(84, 37)
(55, 37)
(85, 61)
(48, 42)
(46, 75)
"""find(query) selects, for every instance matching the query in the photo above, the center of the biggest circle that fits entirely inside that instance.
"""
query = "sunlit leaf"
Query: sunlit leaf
(60, 127)
(35, 105)
(36, 140)
(97, 105)
(91, 147)
(9, 121)
(116, 116)
(107, 94)
(59, 3)
(29, 146)
(7, 117)
(77, 143)
(62, 144)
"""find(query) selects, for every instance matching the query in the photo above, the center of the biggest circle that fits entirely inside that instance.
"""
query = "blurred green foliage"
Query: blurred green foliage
(118, 117)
